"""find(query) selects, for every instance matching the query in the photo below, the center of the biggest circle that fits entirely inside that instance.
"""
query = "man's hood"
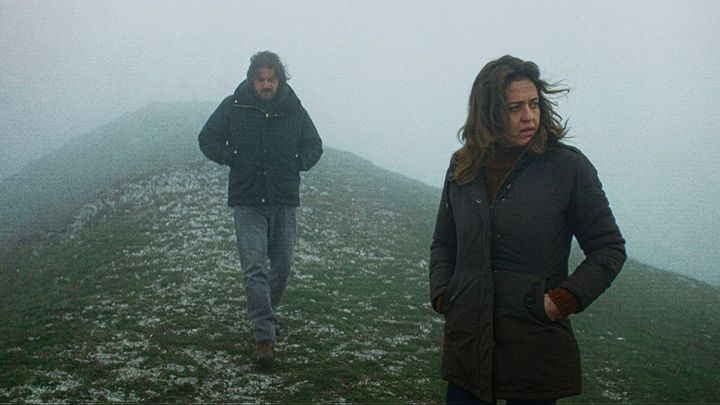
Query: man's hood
(285, 100)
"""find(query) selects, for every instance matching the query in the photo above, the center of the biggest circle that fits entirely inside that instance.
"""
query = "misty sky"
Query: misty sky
(390, 80)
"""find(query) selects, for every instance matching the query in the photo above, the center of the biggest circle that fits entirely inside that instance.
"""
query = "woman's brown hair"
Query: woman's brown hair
(487, 108)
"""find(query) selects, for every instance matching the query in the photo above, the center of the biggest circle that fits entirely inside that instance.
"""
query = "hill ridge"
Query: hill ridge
(43, 196)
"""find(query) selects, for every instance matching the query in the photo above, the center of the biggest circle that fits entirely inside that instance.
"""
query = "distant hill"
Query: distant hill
(42, 197)
(138, 297)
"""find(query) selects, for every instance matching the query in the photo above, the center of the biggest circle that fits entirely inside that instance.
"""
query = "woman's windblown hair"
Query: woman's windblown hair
(487, 109)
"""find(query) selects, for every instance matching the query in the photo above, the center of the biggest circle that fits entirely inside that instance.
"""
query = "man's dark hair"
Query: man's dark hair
(267, 59)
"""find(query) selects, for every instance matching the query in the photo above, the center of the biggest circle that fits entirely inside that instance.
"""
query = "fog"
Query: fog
(390, 81)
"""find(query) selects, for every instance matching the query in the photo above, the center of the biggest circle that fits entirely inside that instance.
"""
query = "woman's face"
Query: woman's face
(523, 117)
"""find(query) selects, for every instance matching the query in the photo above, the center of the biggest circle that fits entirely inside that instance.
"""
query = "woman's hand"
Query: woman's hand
(551, 310)
(438, 304)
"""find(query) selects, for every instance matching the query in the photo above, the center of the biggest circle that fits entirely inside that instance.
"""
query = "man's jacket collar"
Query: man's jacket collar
(284, 102)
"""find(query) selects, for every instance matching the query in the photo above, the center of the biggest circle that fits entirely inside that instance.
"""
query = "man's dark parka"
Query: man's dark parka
(266, 145)
(492, 264)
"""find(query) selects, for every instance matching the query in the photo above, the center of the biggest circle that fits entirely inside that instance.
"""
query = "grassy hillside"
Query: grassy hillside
(140, 299)
(127, 287)
(44, 196)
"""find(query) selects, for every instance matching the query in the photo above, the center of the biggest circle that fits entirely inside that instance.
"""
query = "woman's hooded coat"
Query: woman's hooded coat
(492, 264)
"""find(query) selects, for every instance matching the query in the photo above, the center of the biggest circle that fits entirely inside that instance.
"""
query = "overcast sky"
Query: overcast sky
(389, 80)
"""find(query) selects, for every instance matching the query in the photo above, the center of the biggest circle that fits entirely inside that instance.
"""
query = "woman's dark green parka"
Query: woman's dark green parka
(492, 264)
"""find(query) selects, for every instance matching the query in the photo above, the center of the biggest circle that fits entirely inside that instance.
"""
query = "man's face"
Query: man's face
(265, 83)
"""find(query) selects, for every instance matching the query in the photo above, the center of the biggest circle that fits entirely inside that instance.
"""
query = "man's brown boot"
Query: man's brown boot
(265, 355)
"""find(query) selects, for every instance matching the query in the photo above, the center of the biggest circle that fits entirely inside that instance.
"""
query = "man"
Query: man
(263, 133)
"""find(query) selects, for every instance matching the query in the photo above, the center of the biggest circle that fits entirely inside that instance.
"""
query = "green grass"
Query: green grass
(654, 336)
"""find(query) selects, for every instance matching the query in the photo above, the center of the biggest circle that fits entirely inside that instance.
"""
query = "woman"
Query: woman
(513, 199)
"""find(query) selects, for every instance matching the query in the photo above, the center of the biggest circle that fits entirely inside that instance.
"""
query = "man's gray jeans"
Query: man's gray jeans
(265, 233)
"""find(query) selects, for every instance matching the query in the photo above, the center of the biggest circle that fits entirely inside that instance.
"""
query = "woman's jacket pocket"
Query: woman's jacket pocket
(461, 302)
(520, 296)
